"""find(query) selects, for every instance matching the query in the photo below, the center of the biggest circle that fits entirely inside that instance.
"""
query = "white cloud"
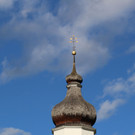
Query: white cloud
(118, 90)
(116, 87)
(107, 108)
(87, 13)
(120, 86)
(5, 4)
(13, 131)
(45, 35)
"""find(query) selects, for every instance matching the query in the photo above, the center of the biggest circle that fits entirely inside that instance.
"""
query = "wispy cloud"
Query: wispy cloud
(13, 131)
(107, 108)
(44, 34)
(6, 4)
(118, 90)
(131, 49)
(121, 86)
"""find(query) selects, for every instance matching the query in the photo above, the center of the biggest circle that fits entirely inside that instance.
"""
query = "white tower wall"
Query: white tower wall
(73, 130)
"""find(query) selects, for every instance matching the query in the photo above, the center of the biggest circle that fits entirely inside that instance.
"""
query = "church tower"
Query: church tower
(74, 116)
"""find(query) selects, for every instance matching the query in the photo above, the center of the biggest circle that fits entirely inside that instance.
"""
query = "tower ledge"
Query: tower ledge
(74, 130)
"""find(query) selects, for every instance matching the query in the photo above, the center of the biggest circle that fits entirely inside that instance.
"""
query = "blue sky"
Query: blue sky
(35, 57)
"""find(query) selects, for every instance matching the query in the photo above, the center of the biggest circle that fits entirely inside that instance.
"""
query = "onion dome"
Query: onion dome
(74, 110)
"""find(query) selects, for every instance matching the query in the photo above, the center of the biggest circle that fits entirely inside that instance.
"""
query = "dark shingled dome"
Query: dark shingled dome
(74, 110)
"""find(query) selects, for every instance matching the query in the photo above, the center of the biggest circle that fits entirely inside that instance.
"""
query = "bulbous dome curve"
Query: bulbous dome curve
(74, 110)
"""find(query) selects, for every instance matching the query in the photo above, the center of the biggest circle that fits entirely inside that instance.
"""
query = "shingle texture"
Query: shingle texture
(74, 110)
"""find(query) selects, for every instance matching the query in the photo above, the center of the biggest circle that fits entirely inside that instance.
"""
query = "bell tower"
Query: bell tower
(74, 116)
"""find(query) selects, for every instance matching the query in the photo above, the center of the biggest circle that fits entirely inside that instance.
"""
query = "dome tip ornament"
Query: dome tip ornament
(73, 40)
(73, 52)
(74, 76)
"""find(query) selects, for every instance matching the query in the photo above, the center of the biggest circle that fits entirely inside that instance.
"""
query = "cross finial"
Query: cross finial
(73, 40)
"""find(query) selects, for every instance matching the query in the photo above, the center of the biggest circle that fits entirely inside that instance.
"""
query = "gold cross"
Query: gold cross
(73, 40)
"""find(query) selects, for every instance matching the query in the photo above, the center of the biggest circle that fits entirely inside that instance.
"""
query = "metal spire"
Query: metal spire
(73, 40)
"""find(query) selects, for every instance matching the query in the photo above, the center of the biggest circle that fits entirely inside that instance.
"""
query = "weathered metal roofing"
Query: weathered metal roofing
(74, 110)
